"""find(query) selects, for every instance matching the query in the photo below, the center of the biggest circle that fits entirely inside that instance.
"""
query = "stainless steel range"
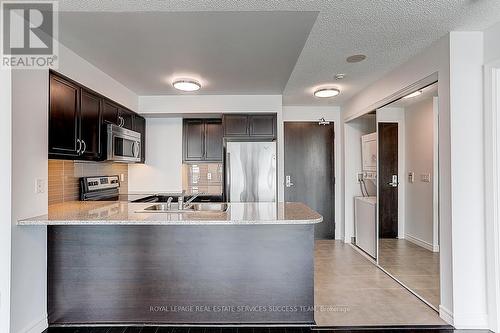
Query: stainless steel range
(101, 188)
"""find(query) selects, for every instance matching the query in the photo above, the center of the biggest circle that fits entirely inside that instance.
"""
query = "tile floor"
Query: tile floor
(413, 265)
(354, 292)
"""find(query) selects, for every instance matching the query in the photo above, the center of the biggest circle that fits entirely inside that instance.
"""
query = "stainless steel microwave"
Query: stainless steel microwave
(123, 145)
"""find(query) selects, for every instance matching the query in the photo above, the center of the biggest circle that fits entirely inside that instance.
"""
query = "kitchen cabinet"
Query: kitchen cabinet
(64, 118)
(236, 125)
(127, 118)
(140, 126)
(110, 112)
(250, 125)
(262, 125)
(202, 140)
(90, 125)
(213, 140)
(78, 118)
(117, 115)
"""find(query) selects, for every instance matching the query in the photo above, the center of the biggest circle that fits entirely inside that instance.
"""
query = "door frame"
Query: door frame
(492, 189)
(337, 214)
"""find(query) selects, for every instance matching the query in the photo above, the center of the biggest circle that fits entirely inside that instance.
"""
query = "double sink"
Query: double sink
(191, 208)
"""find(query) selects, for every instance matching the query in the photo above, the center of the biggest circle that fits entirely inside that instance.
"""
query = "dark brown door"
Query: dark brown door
(309, 164)
(262, 125)
(64, 116)
(236, 125)
(388, 182)
(213, 140)
(90, 125)
(194, 132)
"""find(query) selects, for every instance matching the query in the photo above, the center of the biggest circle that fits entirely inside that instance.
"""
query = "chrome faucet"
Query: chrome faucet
(188, 202)
(169, 202)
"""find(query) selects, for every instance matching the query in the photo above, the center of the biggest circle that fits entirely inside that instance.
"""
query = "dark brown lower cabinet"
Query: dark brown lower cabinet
(141, 274)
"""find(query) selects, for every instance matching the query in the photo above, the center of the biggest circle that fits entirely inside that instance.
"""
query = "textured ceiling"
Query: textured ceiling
(228, 52)
(388, 32)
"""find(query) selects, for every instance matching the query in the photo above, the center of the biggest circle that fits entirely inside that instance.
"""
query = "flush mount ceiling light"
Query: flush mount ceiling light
(326, 92)
(356, 58)
(186, 85)
(414, 94)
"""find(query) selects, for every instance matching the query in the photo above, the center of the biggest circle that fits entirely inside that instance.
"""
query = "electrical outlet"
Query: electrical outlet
(39, 185)
(122, 177)
(209, 175)
(360, 176)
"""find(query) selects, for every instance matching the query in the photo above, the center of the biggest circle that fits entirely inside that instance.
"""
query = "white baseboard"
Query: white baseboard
(471, 321)
(446, 315)
(36, 326)
(421, 243)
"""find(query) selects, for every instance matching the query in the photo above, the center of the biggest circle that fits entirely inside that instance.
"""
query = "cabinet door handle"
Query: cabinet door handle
(84, 146)
(79, 146)
(121, 121)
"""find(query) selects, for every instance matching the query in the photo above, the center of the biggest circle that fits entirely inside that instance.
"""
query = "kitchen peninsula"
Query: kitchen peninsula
(118, 263)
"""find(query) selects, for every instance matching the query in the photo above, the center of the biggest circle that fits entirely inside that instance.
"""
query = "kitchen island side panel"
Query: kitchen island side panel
(181, 274)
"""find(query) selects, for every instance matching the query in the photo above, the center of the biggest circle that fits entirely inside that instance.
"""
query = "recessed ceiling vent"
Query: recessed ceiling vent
(356, 58)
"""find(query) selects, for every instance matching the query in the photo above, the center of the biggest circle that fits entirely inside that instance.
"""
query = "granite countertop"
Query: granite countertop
(126, 213)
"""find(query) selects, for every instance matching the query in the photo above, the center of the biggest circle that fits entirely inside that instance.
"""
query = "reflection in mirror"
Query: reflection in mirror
(408, 241)
(364, 154)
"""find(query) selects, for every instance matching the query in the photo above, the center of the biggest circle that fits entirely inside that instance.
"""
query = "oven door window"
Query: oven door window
(123, 147)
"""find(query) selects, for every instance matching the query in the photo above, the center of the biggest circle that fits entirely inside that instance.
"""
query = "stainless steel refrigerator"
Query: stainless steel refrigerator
(250, 172)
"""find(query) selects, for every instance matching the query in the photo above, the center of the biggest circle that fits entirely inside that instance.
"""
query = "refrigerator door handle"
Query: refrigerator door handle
(228, 177)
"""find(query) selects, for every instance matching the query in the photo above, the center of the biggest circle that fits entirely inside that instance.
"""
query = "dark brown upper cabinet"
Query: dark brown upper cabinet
(127, 118)
(236, 125)
(78, 118)
(140, 126)
(90, 125)
(213, 140)
(250, 125)
(202, 140)
(64, 118)
(262, 125)
(110, 112)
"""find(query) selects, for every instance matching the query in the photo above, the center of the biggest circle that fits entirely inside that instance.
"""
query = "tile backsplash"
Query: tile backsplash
(202, 178)
(63, 180)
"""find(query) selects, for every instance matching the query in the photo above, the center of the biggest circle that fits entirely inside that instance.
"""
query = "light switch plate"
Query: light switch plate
(425, 177)
(411, 177)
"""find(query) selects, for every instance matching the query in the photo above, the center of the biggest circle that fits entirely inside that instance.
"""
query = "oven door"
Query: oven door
(123, 145)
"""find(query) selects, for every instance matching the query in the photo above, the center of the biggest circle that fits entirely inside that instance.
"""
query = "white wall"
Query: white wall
(29, 162)
(435, 59)
(397, 115)
(419, 158)
(156, 107)
(5, 198)
(352, 160)
(162, 171)
(467, 179)
(330, 113)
